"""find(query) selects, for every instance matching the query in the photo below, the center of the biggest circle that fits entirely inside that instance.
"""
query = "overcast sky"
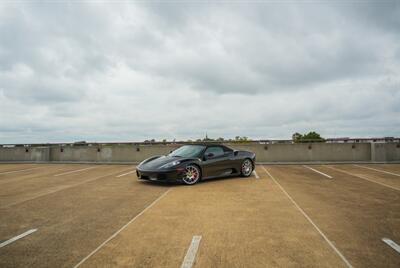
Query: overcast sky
(128, 72)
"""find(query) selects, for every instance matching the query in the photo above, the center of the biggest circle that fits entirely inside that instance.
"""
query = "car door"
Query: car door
(215, 162)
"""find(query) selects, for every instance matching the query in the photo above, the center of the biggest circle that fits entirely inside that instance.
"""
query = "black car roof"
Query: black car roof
(205, 144)
(209, 145)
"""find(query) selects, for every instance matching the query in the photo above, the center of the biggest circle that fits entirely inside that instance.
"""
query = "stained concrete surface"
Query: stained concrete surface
(244, 222)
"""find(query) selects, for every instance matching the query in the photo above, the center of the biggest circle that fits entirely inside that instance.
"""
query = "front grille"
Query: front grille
(152, 176)
(162, 177)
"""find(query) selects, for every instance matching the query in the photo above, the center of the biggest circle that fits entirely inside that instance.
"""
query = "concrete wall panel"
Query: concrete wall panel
(382, 152)
(35, 154)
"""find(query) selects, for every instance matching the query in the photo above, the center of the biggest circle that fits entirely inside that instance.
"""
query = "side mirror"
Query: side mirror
(209, 155)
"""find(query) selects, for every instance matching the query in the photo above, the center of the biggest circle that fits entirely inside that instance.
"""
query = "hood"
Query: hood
(155, 163)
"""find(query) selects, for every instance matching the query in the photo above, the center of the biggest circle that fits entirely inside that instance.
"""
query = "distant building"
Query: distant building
(364, 140)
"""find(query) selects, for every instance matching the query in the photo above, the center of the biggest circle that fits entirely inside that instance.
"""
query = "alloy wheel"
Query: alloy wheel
(192, 174)
(247, 167)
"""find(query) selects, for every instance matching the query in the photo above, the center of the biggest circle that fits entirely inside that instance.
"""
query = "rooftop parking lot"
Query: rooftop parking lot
(70, 215)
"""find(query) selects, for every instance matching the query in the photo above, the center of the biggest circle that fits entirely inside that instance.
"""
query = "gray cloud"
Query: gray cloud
(93, 71)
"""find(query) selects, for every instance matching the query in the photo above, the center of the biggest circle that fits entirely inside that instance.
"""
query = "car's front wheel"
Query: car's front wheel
(192, 174)
(247, 168)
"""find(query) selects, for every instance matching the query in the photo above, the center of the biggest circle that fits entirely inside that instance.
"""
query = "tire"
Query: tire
(246, 168)
(192, 175)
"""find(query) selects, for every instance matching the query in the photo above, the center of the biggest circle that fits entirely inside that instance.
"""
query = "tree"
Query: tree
(242, 139)
(310, 136)
(296, 137)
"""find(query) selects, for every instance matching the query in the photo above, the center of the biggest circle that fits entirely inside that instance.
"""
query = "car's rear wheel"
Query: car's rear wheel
(247, 168)
(192, 174)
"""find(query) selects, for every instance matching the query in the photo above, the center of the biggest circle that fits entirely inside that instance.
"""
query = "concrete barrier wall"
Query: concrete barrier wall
(385, 152)
(34, 154)
(267, 153)
(109, 153)
(328, 152)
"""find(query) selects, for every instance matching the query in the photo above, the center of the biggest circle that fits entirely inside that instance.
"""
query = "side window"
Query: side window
(226, 149)
(215, 150)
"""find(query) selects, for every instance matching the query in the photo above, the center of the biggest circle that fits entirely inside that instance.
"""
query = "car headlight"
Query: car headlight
(170, 164)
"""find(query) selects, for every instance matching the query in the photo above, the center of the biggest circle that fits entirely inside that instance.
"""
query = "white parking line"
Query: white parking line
(392, 244)
(121, 229)
(125, 173)
(364, 178)
(191, 252)
(73, 171)
(317, 171)
(14, 171)
(60, 189)
(311, 221)
(255, 174)
(5, 243)
(379, 170)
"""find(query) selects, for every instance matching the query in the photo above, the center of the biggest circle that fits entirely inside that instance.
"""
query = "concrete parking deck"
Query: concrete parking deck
(70, 215)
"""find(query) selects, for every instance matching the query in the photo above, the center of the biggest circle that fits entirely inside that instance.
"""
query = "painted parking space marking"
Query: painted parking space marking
(364, 178)
(15, 238)
(73, 171)
(21, 170)
(191, 252)
(60, 189)
(392, 244)
(255, 174)
(379, 170)
(310, 220)
(121, 229)
(121, 175)
(48, 172)
(319, 172)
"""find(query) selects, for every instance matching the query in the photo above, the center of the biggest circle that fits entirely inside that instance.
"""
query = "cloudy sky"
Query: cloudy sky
(132, 71)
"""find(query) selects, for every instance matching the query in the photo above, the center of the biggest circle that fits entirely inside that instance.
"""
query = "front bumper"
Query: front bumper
(173, 175)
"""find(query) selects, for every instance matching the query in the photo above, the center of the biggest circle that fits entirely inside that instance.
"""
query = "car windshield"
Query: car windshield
(188, 151)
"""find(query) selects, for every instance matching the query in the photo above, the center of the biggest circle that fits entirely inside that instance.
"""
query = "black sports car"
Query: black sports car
(192, 163)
